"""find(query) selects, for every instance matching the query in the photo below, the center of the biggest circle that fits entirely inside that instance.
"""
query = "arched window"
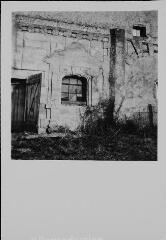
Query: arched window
(74, 90)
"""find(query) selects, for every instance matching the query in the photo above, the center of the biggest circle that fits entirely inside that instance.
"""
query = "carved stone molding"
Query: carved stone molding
(30, 24)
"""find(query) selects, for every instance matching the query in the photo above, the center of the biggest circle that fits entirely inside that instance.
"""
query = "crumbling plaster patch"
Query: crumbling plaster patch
(139, 91)
(74, 60)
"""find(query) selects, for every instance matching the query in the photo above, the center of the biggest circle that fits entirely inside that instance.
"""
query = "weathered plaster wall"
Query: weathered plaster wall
(59, 48)
(79, 57)
(140, 86)
(58, 55)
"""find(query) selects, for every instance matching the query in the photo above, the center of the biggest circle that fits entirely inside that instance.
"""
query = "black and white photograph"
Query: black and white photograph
(84, 85)
(83, 120)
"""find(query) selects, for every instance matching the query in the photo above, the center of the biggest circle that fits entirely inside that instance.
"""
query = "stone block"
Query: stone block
(42, 107)
(44, 80)
(33, 59)
(74, 34)
(53, 42)
(85, 36)
(96, 45)
(94, 37)
(36, 37)
(65, 70)
(34, 54)
(69, 116)
(41, 130)
(43, 123)
(43, 95)
(25, 28)
(48, 113)
(69, 41)
(62, 32)
(61, 42)
(105, 52)
(151, 49)
(106, 58)
(49, 31)
(145, 47)
(85, 43)
(17, 58)
(55, 32)
(66, 34)
(34, 65)
(96, 48)
(106, 45)
(130, 49)
(155, 47)
(105, 39)
(41, 45)
(19, 39)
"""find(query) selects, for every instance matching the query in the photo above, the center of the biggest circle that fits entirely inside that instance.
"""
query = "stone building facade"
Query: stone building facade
(84, 63)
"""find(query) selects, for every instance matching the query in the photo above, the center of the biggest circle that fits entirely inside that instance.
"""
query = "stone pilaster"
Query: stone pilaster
(117, 65)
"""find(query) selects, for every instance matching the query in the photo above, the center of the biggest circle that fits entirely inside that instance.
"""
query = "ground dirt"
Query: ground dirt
(122, 147)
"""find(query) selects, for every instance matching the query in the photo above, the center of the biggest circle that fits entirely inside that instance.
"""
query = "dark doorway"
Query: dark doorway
(18, 104)
(25, 103)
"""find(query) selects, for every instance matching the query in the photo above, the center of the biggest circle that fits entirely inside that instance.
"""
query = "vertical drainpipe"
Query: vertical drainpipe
(117, 66)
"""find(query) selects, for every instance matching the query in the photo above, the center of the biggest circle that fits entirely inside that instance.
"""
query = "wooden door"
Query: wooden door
(18, 104)
(32, 102)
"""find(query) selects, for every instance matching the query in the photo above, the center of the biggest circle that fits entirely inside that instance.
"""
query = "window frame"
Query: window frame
(82, 84)
(139, 29)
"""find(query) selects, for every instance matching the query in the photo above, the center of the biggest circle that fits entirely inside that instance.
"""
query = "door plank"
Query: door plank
(33, 88)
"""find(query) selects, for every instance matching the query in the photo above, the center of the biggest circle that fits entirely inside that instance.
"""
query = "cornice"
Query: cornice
(30, 24)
